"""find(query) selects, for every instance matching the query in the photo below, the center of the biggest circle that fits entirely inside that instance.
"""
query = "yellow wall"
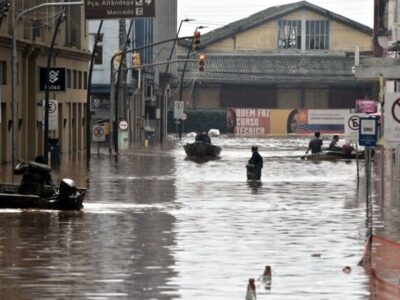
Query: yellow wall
(317, 98)
(288, 98)
(344, 38)
(264, 36)
(208, 97)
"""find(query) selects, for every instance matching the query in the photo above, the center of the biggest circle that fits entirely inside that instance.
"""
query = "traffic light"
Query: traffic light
(117, 58)
(201, 59)
(196, 41)
(136, 59)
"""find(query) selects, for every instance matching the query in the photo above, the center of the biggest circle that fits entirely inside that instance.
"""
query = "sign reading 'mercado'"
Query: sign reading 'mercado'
(119, 9)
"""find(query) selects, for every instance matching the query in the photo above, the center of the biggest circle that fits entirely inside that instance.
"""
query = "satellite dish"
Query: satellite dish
(383, 42)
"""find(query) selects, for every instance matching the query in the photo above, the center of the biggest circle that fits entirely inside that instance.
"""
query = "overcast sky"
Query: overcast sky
(217, 13)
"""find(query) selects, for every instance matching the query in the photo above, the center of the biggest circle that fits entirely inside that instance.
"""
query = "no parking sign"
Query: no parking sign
(98, 133)
(392, 119)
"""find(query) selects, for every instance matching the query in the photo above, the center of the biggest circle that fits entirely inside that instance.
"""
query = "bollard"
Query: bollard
(251, 290)
(146, 143)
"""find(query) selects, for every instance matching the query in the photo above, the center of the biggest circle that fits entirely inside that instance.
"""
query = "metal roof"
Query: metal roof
(270, 68)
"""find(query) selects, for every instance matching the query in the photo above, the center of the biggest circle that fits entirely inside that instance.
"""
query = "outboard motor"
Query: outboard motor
(67, 188)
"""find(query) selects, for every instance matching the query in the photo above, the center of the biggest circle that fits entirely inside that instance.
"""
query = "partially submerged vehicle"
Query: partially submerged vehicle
(45, 195)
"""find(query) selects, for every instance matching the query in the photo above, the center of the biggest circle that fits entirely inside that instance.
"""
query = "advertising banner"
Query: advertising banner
(366, 106)
(248, 121)
(263, 122)
(323, 120)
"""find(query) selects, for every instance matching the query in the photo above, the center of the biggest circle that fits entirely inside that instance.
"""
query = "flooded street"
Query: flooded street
(158, 226)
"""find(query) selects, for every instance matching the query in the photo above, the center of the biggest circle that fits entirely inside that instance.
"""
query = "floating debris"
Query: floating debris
(347, 270)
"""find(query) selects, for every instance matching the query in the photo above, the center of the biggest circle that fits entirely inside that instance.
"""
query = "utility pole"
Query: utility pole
(89, 91)
(47, 90)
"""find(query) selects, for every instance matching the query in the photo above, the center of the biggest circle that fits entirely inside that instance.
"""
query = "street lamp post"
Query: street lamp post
(163, 104)
(14, 72)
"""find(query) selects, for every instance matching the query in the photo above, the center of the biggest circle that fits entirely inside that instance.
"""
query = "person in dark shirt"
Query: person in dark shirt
(35, 176)
(333, 145)
(315, 144)
(203, 137)
(254, 165)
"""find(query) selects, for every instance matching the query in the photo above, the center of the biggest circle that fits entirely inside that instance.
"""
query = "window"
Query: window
(289, 34)
(37, 28)
(73, 26)
(80, 80)
(69, 79)
(19, 6)
(75, 86)
(98, 59)
(317, 35)
(3, 72)
(85, 80)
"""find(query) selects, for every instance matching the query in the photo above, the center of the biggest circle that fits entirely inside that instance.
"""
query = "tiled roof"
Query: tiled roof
(270, 68)
(268, 14)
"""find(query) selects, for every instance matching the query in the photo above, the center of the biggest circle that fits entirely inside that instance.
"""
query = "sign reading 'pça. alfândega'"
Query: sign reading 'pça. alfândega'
(119, 9)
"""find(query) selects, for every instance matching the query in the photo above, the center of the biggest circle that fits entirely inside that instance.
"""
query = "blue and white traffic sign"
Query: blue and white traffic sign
(368, 133)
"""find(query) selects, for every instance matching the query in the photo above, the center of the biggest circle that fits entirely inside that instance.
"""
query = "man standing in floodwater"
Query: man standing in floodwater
(315, 144)
(254, 165)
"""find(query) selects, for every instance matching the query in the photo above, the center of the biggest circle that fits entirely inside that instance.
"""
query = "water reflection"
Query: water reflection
(158, 226)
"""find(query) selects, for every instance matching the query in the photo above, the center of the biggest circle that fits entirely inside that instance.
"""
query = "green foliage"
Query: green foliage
(200, 120)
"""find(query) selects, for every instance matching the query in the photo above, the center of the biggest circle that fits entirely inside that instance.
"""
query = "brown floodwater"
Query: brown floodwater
(158, 226)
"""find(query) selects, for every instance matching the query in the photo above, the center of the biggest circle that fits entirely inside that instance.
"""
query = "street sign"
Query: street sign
(53, 115)
(179, 109)
(126, 9)
(98, 133)
(368, 133)
(123, 125)
(352, 126)
(56, 79)
(392, 119)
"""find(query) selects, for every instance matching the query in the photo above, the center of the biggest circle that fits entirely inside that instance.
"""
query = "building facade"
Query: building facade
(292, 56)
(34, 33)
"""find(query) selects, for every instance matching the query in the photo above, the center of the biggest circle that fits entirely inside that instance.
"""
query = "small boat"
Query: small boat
(202, 150)
(333, 155)
(65, 197)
